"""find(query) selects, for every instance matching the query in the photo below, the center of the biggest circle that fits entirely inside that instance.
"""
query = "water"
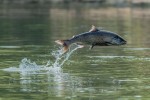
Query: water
(26, 66)
(33, 68)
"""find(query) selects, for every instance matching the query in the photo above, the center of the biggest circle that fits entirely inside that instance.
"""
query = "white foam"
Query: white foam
(28, 66)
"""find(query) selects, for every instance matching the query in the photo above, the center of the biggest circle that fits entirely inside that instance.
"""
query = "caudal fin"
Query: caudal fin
(64, 44)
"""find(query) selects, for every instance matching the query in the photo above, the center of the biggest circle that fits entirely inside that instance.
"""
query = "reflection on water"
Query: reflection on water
(28, 32)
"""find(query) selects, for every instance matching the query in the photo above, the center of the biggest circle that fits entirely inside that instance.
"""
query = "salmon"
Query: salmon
(94, 37)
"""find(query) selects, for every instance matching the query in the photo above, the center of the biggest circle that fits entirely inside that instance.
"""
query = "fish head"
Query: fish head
(117, 40)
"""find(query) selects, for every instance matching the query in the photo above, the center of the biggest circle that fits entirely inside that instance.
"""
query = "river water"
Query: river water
(32, 68)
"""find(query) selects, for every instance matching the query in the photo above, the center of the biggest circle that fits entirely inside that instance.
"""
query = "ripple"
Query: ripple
(111, 57)
(138, 96)
(10, 47)
(137, 49)
(131, 58)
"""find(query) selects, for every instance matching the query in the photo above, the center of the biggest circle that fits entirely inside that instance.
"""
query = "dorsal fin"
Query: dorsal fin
(93, 29)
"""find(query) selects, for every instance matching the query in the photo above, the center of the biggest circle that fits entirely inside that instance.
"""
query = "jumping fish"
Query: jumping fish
(94, 37)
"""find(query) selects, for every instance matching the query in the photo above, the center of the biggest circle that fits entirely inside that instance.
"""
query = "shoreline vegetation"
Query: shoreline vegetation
(96, 3)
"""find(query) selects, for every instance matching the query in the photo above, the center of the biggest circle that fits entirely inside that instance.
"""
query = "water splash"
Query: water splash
(62, 58)
(53, 79)
(26, 65)
(51, 73)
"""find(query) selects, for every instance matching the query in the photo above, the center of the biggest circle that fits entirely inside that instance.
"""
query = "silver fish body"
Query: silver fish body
(101, 38)
(94, 37)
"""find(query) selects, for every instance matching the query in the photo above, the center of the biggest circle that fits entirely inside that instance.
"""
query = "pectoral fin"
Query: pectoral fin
(91, 47)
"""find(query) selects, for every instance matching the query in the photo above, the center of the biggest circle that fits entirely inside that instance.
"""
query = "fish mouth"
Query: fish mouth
(124, 42)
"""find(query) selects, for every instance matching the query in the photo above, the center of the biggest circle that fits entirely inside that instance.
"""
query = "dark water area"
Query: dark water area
(32, 69)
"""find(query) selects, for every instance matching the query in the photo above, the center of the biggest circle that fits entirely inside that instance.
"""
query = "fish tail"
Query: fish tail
(64, 44)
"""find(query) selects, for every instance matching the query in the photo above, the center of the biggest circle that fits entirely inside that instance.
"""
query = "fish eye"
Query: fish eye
(115, 37)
